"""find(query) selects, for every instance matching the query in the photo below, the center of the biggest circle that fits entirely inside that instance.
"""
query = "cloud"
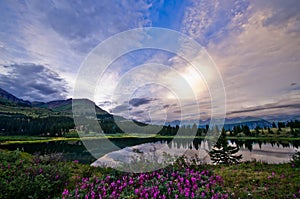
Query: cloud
(256, 49)
(123, 108)
(282, 107)
(136, 102)
(255, 45)
(166, 106)
(285, 15)
(209, 20)
(86, 23)
(60, 34)
(33, 82)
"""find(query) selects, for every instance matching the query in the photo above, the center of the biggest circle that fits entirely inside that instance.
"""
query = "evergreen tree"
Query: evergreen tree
(270, 131)
(281, 125)
(246, 130)
(257, 131)
(223, 153)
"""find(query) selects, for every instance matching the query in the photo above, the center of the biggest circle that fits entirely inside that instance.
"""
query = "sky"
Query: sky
(255, 46)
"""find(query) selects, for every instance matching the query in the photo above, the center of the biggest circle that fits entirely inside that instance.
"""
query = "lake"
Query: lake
(267, 150)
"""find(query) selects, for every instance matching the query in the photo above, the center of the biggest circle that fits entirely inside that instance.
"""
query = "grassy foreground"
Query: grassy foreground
(26, 176)
(261, 180)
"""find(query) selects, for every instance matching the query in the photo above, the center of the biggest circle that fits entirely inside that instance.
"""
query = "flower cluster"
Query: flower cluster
(297, 195)
(164, 183)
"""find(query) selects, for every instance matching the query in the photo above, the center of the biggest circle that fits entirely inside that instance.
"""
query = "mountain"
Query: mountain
(8, 99)
(229, 123)
(12, 104)
(53, 118)
(64, 107)
(251, 122)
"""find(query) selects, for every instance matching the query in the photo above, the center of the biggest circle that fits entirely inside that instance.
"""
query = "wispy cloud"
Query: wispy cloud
(255, 48)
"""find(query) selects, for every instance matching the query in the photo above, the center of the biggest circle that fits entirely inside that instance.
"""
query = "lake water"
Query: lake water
(270, 152)
(267, 151)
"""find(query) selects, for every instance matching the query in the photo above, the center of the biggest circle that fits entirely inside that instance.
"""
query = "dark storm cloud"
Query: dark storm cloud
(140, 101)
(33, 82)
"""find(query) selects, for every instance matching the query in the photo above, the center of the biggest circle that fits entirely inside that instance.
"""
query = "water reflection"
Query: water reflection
(263, 150)
(75, 150)
(185, 143)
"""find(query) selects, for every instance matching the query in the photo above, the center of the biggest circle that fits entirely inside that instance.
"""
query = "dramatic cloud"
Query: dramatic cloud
(33, 82)
(255, 44)
(60, 34)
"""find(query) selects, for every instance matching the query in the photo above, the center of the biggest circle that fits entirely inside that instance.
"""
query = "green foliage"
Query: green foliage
(22, 176)
(175, 181)
(25, 176)
(24, 125)
(260, 180)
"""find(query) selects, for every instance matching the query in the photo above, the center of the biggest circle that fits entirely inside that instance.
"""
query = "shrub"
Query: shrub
(171, 182)
(25, 177)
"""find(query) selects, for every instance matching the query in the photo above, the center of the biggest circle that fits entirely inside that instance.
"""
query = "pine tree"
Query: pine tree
(223, 153)
(257, 132)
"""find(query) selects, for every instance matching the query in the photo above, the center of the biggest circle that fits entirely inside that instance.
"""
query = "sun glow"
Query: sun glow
(195, 80)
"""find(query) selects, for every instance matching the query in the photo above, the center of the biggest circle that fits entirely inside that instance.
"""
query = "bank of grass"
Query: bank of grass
(245, 180)
(6, 140)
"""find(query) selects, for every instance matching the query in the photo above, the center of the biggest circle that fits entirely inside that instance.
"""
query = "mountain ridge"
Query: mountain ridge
(8, 98)
(65, 107)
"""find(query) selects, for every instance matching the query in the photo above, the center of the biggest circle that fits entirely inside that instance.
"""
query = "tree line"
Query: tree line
(18, 124)
(46, 126)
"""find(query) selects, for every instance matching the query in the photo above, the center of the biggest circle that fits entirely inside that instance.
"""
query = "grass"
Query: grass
(245, 180)
(18, 139)
(260, 180)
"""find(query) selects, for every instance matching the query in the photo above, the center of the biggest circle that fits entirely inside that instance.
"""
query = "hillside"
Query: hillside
(20, 117)
(65, 106)
(8, 99)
